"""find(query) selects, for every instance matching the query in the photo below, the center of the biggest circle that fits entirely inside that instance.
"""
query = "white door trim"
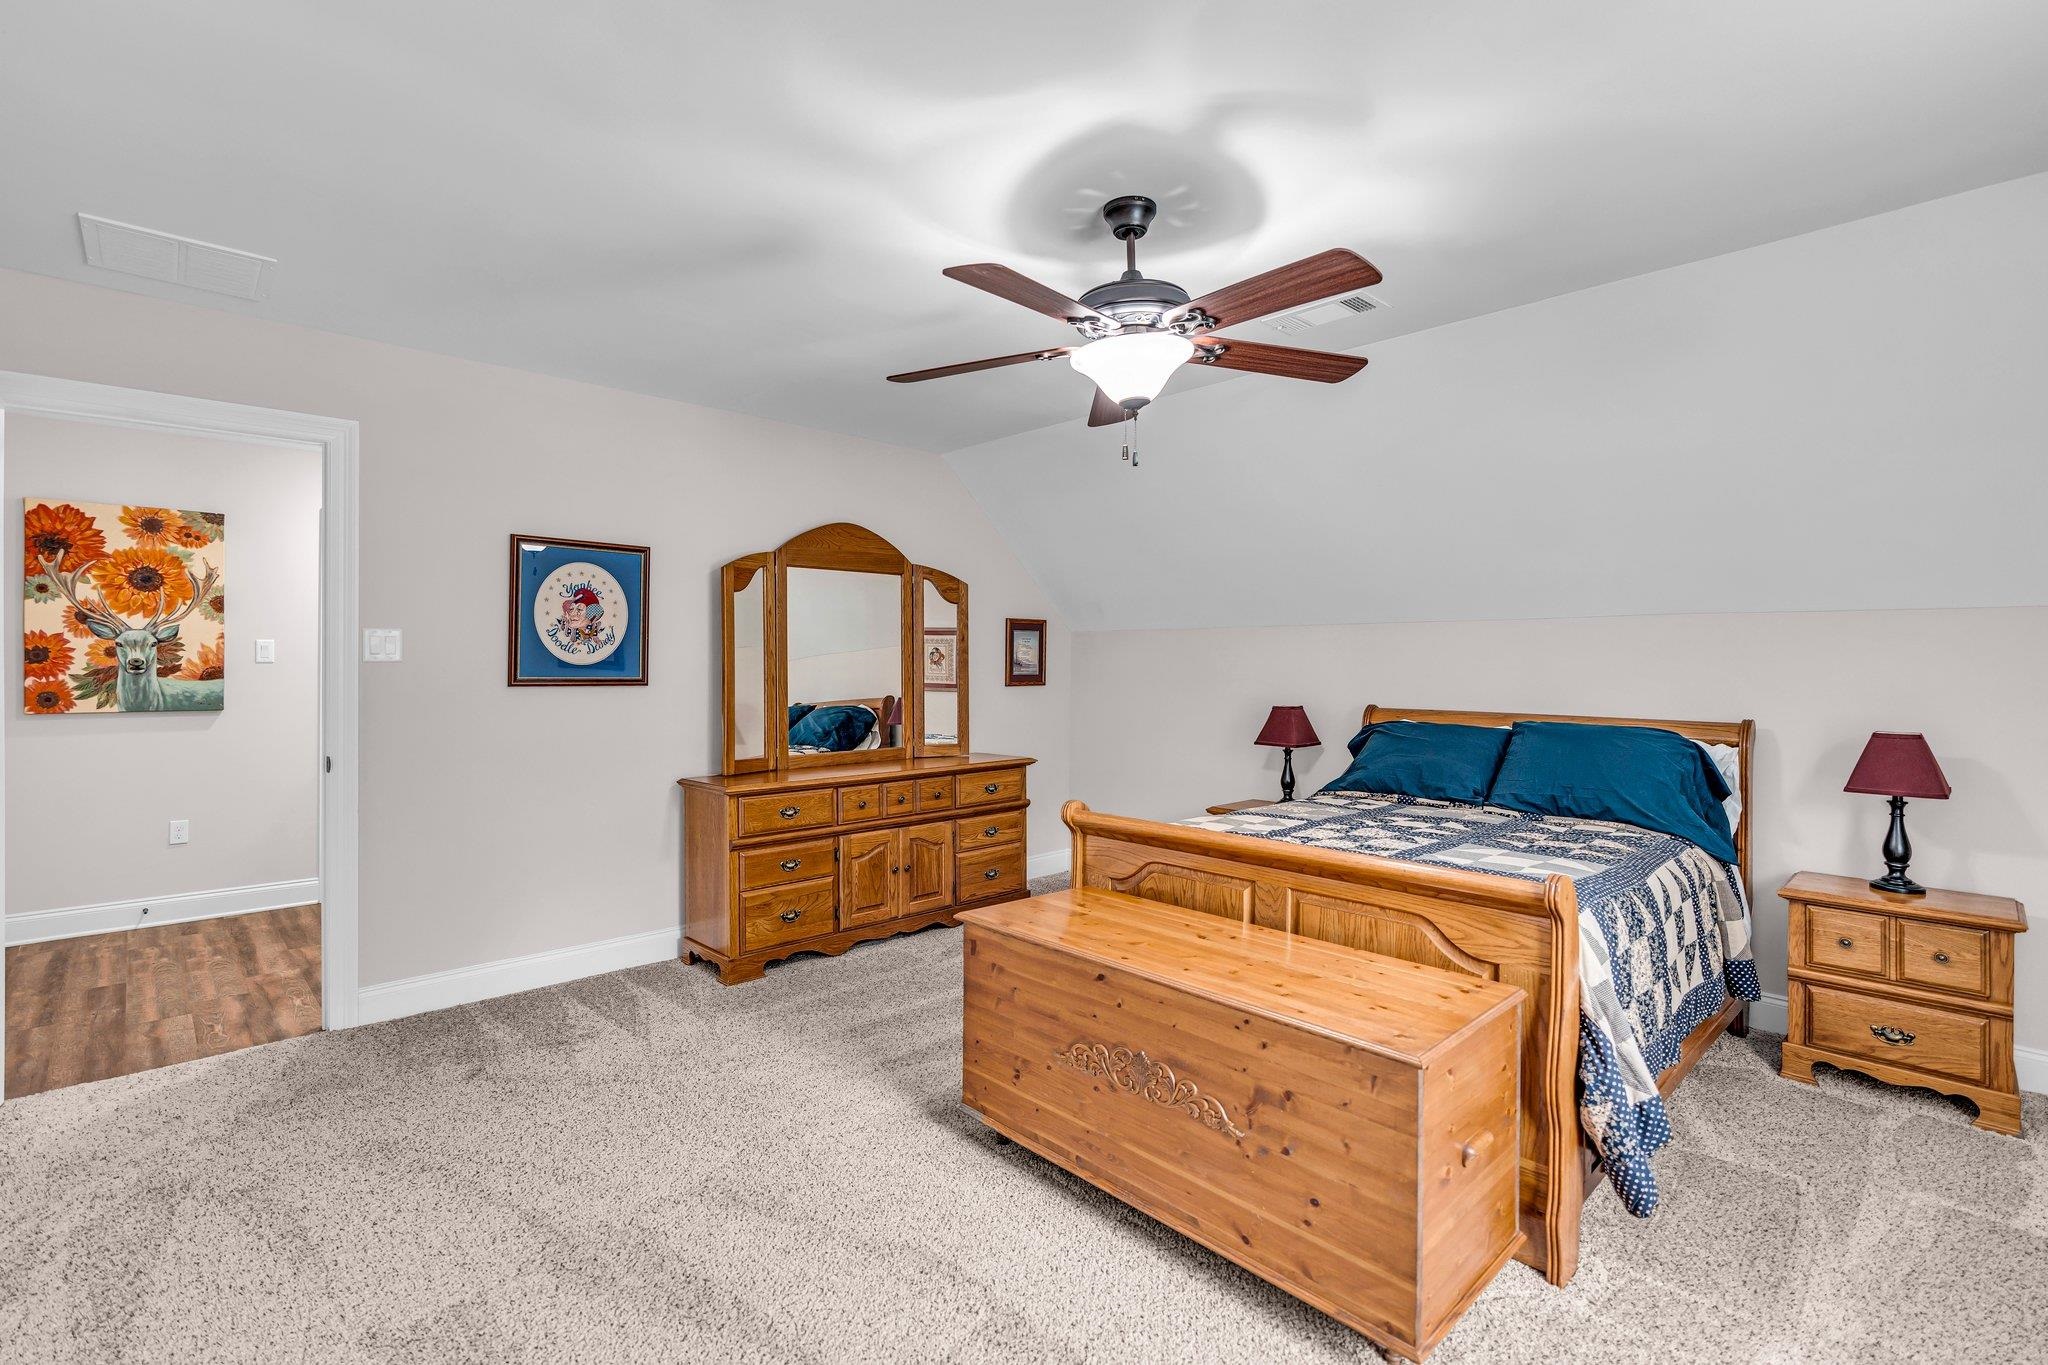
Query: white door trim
(336, 440)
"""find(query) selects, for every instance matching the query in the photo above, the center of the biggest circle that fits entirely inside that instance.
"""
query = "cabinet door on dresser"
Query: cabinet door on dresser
(927, 867)
(867, 883)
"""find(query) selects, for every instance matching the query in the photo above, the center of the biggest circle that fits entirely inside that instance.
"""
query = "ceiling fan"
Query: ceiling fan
(1136, 332)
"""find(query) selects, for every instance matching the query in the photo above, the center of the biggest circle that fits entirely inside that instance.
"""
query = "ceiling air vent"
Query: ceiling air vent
(175, 260)
(1323, 314)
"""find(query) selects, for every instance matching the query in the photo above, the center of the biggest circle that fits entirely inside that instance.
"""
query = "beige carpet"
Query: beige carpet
(647, 1166)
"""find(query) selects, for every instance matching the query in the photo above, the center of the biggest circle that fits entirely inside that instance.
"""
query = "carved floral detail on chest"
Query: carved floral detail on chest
(1137, 1074)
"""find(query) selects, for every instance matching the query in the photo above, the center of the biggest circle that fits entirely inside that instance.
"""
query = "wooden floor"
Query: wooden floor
(84, 1009)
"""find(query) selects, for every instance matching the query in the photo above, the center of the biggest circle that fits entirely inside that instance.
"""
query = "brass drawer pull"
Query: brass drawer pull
(789, 812)
(1846, 942)
(792, 916)
(991, 832)
(790, 864)
(1942, 958)
(1897, 1037)
(990, 789)
(992, 874)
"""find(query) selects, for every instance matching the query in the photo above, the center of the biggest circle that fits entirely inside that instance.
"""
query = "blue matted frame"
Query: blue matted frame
(527, 663)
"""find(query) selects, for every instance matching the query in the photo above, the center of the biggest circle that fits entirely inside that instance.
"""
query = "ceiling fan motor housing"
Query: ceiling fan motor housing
(1136, 301)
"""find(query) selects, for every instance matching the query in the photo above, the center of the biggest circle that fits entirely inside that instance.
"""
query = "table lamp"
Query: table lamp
(1898, 766)
(1287, 729)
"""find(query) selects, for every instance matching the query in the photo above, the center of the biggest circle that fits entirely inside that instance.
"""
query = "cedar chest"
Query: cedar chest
(1342, 1124)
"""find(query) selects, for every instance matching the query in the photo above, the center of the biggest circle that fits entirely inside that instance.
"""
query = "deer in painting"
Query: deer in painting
(136, 684)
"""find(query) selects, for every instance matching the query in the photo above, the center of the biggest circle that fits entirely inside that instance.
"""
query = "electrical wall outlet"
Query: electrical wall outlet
(181, 831)
(266, 651)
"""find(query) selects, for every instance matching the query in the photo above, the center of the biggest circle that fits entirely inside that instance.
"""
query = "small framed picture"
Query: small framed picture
(941, 659)
(578, 614)
(1024, 661)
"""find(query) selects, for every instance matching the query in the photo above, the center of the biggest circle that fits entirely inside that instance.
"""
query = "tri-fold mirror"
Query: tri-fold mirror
(839, 650)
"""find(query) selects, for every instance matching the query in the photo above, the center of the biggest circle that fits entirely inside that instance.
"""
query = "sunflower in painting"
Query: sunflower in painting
(203, 528)
(45, 655)
(76, 623)
(152, 527)
(102, 654)
(62, 533)
(48, 698)
(209, 665)
(142, 582)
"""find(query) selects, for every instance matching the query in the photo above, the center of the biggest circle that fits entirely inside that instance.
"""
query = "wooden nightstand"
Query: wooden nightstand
(1914, 990)
(1233, 807)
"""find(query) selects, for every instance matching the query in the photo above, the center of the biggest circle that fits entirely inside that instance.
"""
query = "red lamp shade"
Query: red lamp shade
(1898, 765)
(1288, 728)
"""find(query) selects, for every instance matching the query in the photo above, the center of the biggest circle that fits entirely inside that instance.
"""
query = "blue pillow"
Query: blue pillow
(799, 711)
(1651, 778)
(1416, 758)
(835, 728)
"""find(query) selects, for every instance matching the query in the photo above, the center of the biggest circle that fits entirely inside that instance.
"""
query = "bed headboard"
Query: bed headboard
(1740, 733)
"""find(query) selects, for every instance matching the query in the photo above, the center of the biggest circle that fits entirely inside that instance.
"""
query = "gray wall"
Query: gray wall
(498, 821)
(90, 796)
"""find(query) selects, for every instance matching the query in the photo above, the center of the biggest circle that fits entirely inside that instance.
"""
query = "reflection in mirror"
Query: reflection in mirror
(939, 659)
(845, 658)
(750, 669)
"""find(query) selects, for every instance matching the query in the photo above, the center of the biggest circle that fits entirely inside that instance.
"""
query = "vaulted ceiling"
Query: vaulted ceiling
(748, 206)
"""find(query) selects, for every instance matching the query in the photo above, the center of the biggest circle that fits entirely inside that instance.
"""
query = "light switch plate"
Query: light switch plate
(382, 646)
(266, 651)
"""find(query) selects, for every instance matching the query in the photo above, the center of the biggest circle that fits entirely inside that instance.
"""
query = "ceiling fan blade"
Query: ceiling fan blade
(1289, 362)
(1105, 411)
(1006, 283)
(1336, 271)
(913, 376)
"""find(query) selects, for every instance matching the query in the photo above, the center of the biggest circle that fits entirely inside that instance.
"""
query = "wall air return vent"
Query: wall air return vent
(175, 260)
(1319, 315)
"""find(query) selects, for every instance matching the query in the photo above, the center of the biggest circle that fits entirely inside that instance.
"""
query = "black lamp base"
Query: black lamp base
(1287, 774)
(1897, 853)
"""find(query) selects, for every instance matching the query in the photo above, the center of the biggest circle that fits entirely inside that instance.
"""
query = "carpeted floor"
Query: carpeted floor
(646, 1166)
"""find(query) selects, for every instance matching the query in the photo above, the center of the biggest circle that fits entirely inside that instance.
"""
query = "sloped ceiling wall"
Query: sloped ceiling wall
(1856, 418)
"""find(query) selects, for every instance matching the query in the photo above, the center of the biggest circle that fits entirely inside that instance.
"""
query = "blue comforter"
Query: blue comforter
(1664, 936)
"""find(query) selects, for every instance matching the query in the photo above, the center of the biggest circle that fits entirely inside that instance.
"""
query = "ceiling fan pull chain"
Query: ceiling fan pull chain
(1131, 436)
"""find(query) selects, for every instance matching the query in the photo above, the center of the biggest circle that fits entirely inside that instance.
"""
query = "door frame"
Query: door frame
(335, 439)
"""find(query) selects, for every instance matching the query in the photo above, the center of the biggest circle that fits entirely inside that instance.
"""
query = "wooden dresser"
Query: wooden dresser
(1341, 1124)
(1914, 990)
(819, 859)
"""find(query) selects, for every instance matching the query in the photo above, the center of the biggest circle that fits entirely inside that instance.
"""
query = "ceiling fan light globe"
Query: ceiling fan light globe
(1132, 367)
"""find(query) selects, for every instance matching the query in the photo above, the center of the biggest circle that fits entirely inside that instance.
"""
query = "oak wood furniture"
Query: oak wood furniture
(788, 852)
(1341, 1124)
(1911, 989)
(1518, 932)
(101, 1005)
(1233, 807)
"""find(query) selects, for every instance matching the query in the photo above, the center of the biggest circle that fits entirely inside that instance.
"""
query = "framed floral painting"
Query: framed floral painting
(579, 614)
(125, 608)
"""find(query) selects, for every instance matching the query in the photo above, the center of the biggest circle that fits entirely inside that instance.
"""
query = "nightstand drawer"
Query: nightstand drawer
(1847, 941)
(1924, 1038)
(1944, 957)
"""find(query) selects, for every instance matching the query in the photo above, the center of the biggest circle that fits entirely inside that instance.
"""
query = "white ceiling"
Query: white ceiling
(748, 206)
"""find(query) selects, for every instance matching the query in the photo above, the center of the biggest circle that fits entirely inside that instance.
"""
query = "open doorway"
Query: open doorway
(179, 798)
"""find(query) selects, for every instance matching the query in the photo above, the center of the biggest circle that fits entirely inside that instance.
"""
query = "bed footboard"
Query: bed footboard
(1521, 933)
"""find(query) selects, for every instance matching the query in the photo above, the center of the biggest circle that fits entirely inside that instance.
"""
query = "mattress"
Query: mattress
(1664, 936)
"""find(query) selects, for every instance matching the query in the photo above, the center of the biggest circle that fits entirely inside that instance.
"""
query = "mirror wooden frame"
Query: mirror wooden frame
(849, 548)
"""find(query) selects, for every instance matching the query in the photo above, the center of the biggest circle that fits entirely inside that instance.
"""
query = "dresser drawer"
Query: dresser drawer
(899, 798)
(1847, 941)
(1944, 957)
(795, 810)
(986, 831)
(1952, 1043)
(990, 872)
(860, 803)
(785, 863)
(982, 789)
(784, 914)
(935, 793)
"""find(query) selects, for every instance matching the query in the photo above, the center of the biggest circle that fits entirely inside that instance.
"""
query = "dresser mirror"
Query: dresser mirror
(839, 650)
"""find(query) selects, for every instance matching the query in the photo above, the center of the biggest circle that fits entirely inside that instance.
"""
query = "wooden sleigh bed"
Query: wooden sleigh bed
(1521, 932)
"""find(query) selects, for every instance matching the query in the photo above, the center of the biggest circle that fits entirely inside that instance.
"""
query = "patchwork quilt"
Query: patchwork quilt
(1664, 936)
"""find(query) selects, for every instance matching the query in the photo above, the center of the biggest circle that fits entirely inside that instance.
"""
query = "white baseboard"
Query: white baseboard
(40, 926)
(465, 985)
(1049, 864)
(1771, 1015)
